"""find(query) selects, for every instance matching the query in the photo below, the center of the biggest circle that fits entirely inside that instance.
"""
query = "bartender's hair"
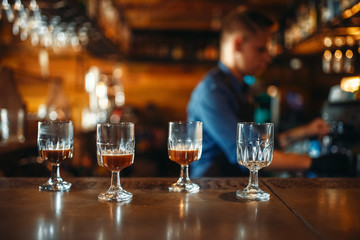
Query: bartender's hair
(245, 21)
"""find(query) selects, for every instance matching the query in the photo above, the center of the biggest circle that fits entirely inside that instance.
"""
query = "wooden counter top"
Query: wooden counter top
(298, 209)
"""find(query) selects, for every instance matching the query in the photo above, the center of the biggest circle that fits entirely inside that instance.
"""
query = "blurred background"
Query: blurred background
(138, 60)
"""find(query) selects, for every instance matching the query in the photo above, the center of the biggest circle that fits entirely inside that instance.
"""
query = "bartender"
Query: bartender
(222, 99)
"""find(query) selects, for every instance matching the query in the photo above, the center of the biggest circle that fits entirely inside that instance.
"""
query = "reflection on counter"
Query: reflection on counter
(49, 226)
(189, 224)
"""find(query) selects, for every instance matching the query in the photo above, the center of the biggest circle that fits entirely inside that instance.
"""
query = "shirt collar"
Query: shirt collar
(238, 85)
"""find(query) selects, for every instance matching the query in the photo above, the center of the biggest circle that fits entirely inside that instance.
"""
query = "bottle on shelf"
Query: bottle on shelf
(57, 106)
(12, 109)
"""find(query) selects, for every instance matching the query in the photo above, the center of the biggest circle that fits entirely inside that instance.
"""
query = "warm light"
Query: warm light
(339, 41)
(348, 13)
(104, 103)
(53, 115)
(351, 11)
(349, 53)
(350, 84)
(295, 63)
(354, 31)
(101, 90)
(119, 99)
(44, 63)
(42, 111)
(272, 91)
(338, 54)
(327, 55)
(356, 8)
(88, 119)
(91, 79)
(350, 41)
(118, 72)
(327, 42)
(90, 82)
(181, 208)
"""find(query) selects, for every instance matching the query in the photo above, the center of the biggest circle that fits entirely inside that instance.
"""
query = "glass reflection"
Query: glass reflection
(183, 207)
(116, 212)
(50, 226)
(45, 229)
(249, 227)
(185, 223)
(57, 204)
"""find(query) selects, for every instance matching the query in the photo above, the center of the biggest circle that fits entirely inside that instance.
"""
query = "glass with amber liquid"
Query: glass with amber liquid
(55, 143)
(115, 151)
(184, 147)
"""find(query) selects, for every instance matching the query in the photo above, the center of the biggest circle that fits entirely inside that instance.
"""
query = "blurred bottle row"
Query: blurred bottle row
(340, 55)
(309, 16)
(106, 99)
(175, 46)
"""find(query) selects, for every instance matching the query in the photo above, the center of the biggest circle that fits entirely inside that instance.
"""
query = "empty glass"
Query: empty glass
(255, 146)
(184, 147)
(115, 151)
(55, 144)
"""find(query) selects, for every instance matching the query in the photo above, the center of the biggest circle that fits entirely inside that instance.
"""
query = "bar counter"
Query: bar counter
(322, 208)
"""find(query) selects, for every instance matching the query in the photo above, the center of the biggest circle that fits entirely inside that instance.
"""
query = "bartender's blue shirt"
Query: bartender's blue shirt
(215, 104)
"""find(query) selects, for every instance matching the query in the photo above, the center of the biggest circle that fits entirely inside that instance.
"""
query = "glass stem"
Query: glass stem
(253, 179)
(115, 181)
(55, 173)
(184, 174)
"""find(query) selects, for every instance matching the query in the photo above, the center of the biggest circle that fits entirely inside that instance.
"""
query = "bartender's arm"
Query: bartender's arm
(289, 162)
(318, 127)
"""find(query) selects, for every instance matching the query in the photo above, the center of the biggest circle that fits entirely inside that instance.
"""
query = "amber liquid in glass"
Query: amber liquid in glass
(56, 156)
(184, 157)
(117, 162)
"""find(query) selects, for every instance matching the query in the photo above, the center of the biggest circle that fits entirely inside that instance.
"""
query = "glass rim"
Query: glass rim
(185, 122)
(255, 123)
(116, 124)
(55, 121)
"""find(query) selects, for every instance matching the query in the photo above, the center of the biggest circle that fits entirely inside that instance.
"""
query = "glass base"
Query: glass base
(115, 196)
(253, 194)
(58, 185)
(184, 187)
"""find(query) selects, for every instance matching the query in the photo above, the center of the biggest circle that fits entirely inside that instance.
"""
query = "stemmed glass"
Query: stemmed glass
(55, 144)
(6, 8)
(184, 147)
(115, 151)
(21, 18)
(255, 146)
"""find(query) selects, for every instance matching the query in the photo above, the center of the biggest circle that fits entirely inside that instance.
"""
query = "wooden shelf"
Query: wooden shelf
(339, 26)
(314, 44)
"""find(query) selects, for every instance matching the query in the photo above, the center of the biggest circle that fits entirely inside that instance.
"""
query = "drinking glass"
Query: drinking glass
(115, 151)
(6, 8)
(255, 146)
(184, 147)
(55, 144)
